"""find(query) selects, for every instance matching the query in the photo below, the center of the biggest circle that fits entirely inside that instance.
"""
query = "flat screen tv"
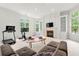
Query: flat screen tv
(49, 24)
(10, 28)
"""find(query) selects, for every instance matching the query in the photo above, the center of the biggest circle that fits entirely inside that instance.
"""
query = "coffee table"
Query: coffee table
(35, 40)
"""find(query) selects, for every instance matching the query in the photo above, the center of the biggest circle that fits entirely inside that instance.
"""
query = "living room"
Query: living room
(35, 25)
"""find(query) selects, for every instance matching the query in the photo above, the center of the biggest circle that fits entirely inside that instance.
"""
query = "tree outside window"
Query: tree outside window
(75, 25)
(75, 21)
(24, 25)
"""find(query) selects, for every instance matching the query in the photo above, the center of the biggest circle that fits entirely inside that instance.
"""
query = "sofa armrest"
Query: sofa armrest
(0, 51)
(7, 50)
(63, 46)
(61, 49)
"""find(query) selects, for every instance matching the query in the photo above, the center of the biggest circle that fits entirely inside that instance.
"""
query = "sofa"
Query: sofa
(54, 49)
(51, 49)
(6, 50)
(25, 51)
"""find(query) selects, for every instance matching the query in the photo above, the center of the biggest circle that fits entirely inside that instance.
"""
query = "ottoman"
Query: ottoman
(25, 51)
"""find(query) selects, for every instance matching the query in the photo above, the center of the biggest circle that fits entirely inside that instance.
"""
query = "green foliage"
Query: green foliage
(75, 14)
(75, 25)
(75, 22)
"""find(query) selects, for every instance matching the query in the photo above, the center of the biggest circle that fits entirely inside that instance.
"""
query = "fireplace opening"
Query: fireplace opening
(50, 33)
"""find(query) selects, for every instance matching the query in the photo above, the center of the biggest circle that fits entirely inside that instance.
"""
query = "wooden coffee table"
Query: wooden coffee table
(35, 40)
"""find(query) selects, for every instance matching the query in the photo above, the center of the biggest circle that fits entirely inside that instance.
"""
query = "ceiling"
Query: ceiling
(37, 10)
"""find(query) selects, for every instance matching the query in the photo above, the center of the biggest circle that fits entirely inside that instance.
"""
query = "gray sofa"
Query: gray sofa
(51, 49)
(25, 51)
(54, 49)
(6, 50)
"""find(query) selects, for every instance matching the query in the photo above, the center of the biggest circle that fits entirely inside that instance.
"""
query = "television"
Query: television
(10, 28)
(49, 24)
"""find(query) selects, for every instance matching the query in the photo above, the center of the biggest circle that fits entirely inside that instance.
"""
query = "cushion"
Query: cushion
(14, 55)
(7, 50)
(47, 49)
(45, 54)
(0, 51)
(53, 44)
(25, 51)
(60, 53)
(40, 37)
(63, 46)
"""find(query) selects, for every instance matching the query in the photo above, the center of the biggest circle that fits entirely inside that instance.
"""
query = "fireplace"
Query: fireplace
(50, 33)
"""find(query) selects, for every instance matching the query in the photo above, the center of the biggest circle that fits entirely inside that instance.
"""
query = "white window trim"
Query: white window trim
(66, 22)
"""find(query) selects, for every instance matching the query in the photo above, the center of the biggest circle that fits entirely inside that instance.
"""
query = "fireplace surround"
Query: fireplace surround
(50, 33)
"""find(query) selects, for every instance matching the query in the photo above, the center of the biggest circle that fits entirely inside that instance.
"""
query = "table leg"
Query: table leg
(44, 42)
(30, 44)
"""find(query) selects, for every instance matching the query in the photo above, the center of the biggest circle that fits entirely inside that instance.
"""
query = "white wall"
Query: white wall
(53, 17)
(8, 17)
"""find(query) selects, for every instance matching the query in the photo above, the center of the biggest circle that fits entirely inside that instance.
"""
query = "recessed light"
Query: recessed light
(23, 12)
(36, 9)
(52, 10)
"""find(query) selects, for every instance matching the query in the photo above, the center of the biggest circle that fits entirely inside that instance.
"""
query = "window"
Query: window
(75, 21)
(41, 26)
(38, 26)
(63, 23)
(24, 25)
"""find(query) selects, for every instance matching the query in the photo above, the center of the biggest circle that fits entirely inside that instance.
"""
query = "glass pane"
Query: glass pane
(63, 24)
(37, 27)
(75, 25)
(24, 25)
(27, 25)
(75, 21)
(75, 13)
(40, 26)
